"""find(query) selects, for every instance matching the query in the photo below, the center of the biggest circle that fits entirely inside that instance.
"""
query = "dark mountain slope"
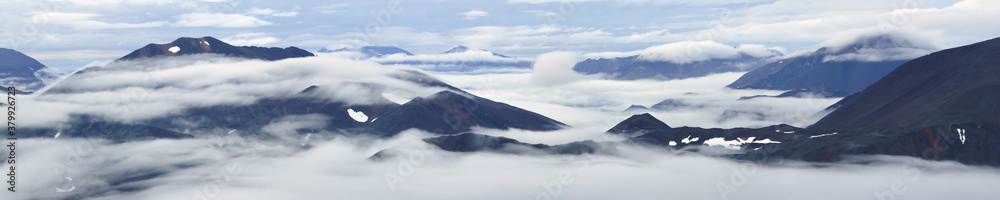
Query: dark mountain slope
(21, 71)
(943, 106)
(448, 112)
(953, 86)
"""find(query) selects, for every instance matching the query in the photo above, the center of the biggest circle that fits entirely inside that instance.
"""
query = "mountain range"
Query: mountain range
(941, 106)
(450, 111)
(637, 67)
(459, 58)
(187, 46)
(370, 51)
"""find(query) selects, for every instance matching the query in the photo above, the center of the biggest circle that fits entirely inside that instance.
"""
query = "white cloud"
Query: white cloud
(548, 1)
(643, 2)
(595, 104)
(474, 14)
(332, 8)
(233, 168)
(688, 51)
(555, 68)
(80, 54)
(86, 21)
(250, 39)
(811, 22)
(467, 56)
(270, 12)
(119, 2)
(219, 20)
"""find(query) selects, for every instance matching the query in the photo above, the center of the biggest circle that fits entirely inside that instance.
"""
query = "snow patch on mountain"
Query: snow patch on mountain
(357, 115)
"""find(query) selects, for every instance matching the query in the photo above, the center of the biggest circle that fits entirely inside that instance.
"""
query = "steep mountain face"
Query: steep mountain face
(940, 106)
(448, 112)
(635, 67)
(186, 46)
(23, 72)
(371, 51)
(953, 86)
(835, 70)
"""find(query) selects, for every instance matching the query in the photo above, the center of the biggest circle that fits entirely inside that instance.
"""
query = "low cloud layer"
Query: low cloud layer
(296, 166)
(692, 51)
(144, 89)
(233, 168)
(597, 103)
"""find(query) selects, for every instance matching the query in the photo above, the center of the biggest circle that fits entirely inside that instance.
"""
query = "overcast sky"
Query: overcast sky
(66, 34)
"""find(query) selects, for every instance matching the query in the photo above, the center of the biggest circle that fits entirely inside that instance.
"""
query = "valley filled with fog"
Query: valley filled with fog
(239, 165)
(512, 99)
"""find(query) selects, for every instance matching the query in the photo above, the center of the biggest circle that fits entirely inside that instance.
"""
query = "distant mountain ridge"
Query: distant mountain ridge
(461, 48)
(458, 58)
(637, 67)
(371, 51)
(186, 46)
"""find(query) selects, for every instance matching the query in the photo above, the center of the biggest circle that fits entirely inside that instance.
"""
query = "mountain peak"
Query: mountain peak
(874, 41)
(379, 51)
(457, 49)
(640, 122)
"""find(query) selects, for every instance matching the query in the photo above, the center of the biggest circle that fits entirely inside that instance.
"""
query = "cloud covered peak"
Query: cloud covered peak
(875, 46)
